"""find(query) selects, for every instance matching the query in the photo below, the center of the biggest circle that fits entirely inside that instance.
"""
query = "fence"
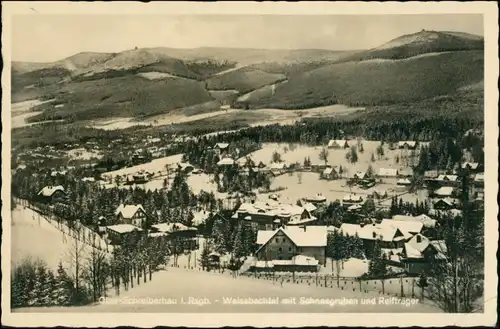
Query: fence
(80, 232)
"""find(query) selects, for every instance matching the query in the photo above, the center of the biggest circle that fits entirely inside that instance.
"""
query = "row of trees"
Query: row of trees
(340, 247)
(34, 284)
(87, 201)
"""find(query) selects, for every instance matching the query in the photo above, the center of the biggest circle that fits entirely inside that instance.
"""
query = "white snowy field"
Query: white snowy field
(152, 167)
(21, 111)
(171, 290)
(310, 184)
(34, 237)
(336, 157)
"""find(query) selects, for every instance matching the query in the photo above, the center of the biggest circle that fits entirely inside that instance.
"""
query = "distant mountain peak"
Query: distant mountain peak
(424, 37)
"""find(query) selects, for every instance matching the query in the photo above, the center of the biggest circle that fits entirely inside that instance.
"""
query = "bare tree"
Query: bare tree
(96, 273)
(323, 155)
(76, 255)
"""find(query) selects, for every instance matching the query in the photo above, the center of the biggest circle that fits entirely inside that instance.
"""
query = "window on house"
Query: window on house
(280, 249)
(289, 248)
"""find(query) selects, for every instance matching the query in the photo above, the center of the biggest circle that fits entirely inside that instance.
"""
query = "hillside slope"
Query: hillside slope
(422, 42)
(130, 96)
(243, 80)
(377, 82)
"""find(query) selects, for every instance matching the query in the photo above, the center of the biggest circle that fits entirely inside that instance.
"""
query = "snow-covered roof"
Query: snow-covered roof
(311, 236)
(419, 243)
(123, 228)
(373, 232)
(221, 145)
(316, 198)
(424, 219)
(61, 173)
(451, 178)
(354, 207)
(404, 225)
(352, 198)
(336, 142)
(128, 211)
(278, 165)
(409, 143)
(328, 171)
(225, 162)
(272, 208)
(416, 246)
(403, 181)
(471, 165)
(172, 227)
(309, 207)
(479, 177)
(359, 174)
(388, 172)
(88, 179)
(48, 191)
(444, 191)
(448, 201)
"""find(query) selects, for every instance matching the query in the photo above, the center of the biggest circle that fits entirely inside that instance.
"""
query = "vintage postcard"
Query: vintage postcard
(249, 164)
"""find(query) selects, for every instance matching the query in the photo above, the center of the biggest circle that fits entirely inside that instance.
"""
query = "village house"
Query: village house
(444, 204)
(477, 189)
(403, 184)
(131, 214)
(116, 234)
(359, 175)
(471, 167)
(447, 180)
(330, 173)
(51, 194)
(410, 145)
(351, 199)
(389, 236)
(338, 144)
(272, 214)
(285, 243)
(420, 252)
(387, 173)
(221, 149)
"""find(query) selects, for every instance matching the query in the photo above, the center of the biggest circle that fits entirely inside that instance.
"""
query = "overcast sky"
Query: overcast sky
(42, 38)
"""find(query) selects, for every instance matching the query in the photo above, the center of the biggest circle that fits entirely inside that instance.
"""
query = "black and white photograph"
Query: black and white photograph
(275, 163)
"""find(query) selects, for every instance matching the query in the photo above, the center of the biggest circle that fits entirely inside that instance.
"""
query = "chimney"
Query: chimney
(304, 227)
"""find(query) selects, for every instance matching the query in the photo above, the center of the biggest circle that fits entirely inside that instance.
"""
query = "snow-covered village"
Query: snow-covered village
(268, 202)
